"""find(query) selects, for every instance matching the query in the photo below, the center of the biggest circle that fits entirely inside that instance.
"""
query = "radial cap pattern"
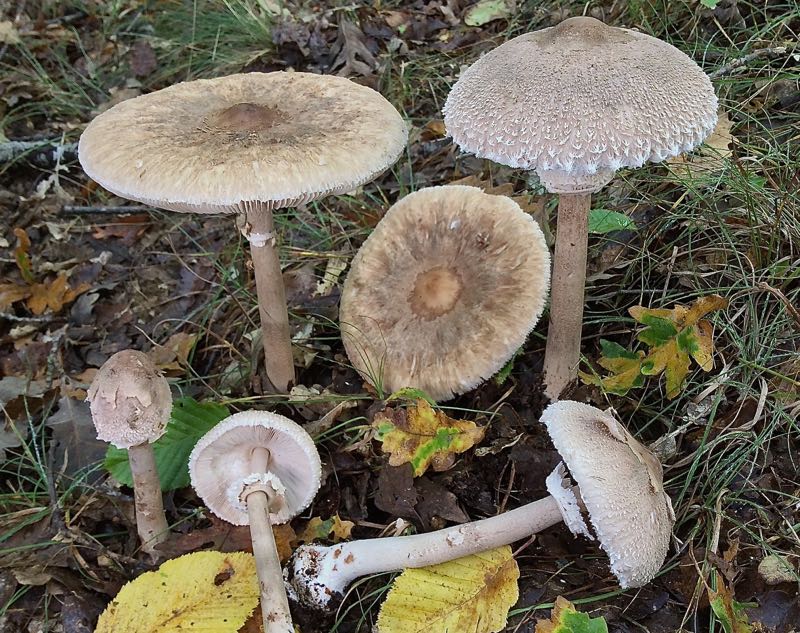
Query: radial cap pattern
(577, 101)
(263, 140)
(444, 291)
(621, 485)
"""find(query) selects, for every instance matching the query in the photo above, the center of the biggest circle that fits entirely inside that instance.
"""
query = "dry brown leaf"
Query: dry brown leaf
(173, 355)
(54, 295)
(709, 158)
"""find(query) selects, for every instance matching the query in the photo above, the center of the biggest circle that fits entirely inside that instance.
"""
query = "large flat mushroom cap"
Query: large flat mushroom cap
(220, 468)
(444, 291)
(621, 485)
(577, 101)
(130, 400)
(255, 140)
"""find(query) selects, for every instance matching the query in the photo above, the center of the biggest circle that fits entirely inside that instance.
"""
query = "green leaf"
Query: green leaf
(709, 4)
(611, 349)
(486, 11)
(411, 394)
(731, 614)
(603, 221)
(566, 619)
(189, 421)
(502, 375)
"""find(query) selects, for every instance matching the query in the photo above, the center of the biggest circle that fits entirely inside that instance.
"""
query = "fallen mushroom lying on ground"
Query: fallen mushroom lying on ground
(131, 403)
(247, 144)
(575, 103)
(619, 484)
(444, 291)
(259, 469)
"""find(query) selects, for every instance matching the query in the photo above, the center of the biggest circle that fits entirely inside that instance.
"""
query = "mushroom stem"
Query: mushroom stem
(274, 603)
(319, 573)
(563, 349)
(271, 298)
(151, 522)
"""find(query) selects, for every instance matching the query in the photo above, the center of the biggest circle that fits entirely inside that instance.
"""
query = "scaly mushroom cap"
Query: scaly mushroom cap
(220, 467)
(577, 101)
(130, 400)
(255, 140)
(444, 291)
(621, 485)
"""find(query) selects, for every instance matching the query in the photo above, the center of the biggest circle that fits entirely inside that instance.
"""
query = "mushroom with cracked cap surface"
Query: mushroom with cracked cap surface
(130, 402)
(619, 484)
(247, 144)
(258, 468)
(444, 291)
(575, 103)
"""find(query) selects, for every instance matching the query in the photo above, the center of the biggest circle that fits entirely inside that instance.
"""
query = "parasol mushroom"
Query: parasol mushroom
(259, 469)
(246, 144)
(130, 402)
(575, 103)
(619, 485)
(444, 291)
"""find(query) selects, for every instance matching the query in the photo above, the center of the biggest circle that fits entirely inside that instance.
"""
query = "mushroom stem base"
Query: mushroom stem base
(151, 522)
(563, 349)
(271, 299)
(320, 573)
(274, 603)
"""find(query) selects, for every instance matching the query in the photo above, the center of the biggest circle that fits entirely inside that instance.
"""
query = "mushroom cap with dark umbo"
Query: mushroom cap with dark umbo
(130, 400)
(220, 465)
(621, 485)
(255, 140)
(444, 291)
(577, 101)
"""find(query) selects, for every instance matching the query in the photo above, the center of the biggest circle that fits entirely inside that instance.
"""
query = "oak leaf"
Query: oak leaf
(423, 437)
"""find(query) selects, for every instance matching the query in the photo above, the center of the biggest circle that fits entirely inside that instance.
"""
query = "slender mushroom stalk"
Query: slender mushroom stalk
(131, 403)
(575, 103)
(619, 486)
(444, 291)
(248, 144)
(276, 336)
(261, 469)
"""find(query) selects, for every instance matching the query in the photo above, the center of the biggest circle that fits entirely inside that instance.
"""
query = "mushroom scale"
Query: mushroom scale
(622, 490)
(444, 291)
(241, 142)
(581, 99)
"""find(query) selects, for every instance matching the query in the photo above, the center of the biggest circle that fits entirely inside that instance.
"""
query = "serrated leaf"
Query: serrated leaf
(423, 437)
(468, 594)
(603, 221)
(566, 619)
(188, 422)
(204, 592)
(731, 614)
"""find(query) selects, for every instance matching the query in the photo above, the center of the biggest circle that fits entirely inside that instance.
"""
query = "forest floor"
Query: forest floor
(95, 274)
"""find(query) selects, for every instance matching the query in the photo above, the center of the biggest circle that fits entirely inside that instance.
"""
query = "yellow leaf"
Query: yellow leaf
(709, 158)
(423, 437)
(317, 529)
(469, 594)
(203, 592)
(341, 529)
(54, 294)
(565, 618)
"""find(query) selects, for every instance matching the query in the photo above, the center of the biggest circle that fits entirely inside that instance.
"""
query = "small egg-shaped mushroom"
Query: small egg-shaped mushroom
(130, 402)
(258, 468)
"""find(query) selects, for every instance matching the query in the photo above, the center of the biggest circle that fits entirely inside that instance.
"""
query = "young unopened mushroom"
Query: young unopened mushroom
(619, 483)
(444, 291)
(575, 103)
(259, 469)
(131, 403)
(247, 144)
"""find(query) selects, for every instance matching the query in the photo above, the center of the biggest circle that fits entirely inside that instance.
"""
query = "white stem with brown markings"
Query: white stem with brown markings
(151, 522)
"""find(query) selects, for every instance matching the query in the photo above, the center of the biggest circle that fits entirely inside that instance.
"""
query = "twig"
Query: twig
(90, 210)
(45, 153)
(732, 67)
(25, 319)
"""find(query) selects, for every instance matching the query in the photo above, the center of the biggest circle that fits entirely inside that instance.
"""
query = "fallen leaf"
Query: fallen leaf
(329, 529)
(205, 592)
(22, 256)
(8, 33)
(54, 294)
(602, 221)
(673, 336)
(468, 594)
(731, 614)
(423, 437)
(188, 422)
(74, 436)
(709, 159)
(143, 59)
(351, 52)
(127, 228)
(566, 619)
(776, 569)
(173, 354)
(487, 11)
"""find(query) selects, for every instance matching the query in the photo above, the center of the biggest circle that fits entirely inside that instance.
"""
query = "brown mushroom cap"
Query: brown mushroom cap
(577, 101)
(130, 400)
(621, 485)
(444, 291)
(263, 140)
(220, 466)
